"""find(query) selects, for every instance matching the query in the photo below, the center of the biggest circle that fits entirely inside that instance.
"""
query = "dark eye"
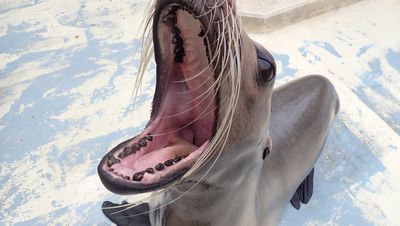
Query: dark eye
(266, 66)
(266, 71)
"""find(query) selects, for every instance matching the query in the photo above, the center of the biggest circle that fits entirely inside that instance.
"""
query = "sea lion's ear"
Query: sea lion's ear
(266, 152)
(266, 66)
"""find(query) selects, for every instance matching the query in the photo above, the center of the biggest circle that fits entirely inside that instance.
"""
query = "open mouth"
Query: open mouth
(184, 115)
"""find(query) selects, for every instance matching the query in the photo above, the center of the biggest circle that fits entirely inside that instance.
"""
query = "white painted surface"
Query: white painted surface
(267, 7)
(66, 75)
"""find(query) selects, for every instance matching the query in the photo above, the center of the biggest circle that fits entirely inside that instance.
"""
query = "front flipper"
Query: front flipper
(137, 216)
(304, 191)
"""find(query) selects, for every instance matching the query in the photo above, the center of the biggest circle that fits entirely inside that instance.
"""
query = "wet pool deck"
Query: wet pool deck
(66, 75)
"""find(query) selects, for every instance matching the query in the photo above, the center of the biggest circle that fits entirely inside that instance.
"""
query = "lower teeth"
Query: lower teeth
(140, 175)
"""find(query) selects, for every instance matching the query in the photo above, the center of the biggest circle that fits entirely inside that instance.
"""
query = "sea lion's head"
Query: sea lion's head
(213, 91)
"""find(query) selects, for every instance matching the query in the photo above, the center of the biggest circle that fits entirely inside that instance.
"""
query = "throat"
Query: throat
(206, 204)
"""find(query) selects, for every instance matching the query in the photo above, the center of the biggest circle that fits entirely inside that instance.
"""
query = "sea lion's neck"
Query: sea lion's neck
(231, 183)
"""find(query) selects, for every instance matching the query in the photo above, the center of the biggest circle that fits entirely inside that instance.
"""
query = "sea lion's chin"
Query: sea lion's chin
(184, 111)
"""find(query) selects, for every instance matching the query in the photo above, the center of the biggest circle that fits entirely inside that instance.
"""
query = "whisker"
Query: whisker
(187, 125)
(215, 57)
(189, 109)
(195, 88)
(226, 57)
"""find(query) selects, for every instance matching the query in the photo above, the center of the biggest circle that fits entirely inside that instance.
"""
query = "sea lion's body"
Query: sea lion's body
(243, 185)
(301, 114)
(257, 191)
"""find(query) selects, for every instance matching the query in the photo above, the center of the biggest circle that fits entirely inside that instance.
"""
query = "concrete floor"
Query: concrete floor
(268, 15)
(66, 75)
(357, 177)
(263, 7)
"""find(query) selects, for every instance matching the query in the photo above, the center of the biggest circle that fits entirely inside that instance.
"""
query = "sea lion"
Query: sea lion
(207, 149)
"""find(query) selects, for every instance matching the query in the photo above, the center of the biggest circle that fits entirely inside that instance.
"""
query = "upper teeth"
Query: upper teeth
(171, 20)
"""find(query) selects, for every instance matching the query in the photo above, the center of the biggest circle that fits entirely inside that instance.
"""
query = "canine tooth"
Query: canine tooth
(112, 160)
(128, 150)
(138, 176)
(179, 59)
(178, 159)
(121, 155)
(169, 162)
(179, 54)
(170, 19)
(174, 8)
(160, 167)
(136, 147)
(149, 137)
(202, 33)
(149, 171)
(142, 143)
(205, 41)
(177, 40)
(176, 31)
(180, 50)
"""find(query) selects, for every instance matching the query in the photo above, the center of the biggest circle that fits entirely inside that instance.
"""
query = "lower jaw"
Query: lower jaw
(153, 167)
(149, 182)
